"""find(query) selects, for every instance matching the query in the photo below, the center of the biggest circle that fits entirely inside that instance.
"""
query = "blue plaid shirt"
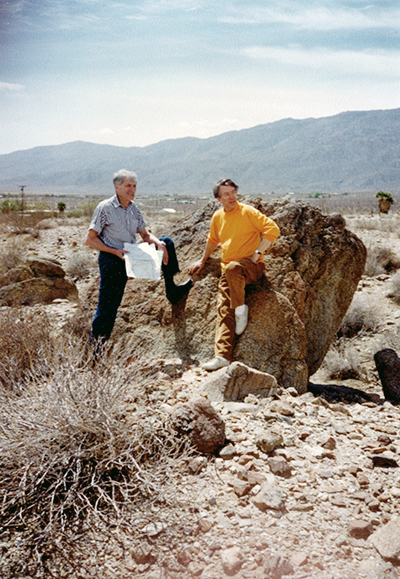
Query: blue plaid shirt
(115, 224)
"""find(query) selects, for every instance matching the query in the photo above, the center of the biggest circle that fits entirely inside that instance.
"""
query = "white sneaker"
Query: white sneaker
(215, 364)
(241, 318)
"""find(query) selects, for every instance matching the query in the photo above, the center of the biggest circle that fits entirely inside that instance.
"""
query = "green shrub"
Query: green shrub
(385, 195)
(9, 205)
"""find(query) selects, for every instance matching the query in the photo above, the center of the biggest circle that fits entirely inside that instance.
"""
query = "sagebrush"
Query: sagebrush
(84, 447)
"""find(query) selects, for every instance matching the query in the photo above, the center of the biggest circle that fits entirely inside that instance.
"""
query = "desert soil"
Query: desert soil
(331, 489)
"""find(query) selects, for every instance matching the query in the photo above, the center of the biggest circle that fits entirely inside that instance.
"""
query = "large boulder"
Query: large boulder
(36, 281)
(312, 272)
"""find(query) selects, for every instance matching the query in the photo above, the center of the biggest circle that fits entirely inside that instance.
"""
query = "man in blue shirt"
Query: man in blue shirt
(116, 221)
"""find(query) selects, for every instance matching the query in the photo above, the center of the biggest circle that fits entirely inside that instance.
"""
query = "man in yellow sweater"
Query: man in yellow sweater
(244, 234)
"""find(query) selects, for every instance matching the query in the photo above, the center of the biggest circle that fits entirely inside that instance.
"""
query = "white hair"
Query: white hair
(122, 174)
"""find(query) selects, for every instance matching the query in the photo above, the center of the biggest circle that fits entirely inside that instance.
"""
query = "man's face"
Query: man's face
(126, 191)
(228, 197)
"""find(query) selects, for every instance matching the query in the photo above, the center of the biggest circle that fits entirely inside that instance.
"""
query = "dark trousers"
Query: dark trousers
(113, 279)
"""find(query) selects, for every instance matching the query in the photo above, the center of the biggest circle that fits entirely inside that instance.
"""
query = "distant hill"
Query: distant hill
(352, 151)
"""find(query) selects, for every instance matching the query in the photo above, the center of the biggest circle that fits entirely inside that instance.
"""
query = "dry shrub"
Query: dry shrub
(47, 223)
(394, 291)
(363, 316)
(82, 451)
(380, 260)
(11, 254)
(18, 223)
(25, 340)
(342, 362)
(81, 264)
(390, 338)
(383, 223)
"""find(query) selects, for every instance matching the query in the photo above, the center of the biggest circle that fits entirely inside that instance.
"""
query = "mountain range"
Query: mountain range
(351, 151)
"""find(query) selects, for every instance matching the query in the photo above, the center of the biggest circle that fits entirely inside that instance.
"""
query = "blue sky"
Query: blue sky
(132, 73)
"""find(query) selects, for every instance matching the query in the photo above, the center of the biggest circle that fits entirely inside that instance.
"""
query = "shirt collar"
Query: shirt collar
(115, 201)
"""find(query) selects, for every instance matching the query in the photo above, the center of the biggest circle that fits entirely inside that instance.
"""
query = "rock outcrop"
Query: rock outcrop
(312, 272)
(36, 281)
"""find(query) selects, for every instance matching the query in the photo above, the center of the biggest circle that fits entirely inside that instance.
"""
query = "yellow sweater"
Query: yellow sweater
(238, 231)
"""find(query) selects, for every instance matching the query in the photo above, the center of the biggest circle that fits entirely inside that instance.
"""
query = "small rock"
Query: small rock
(197, 464)
(387, 540)
(363, 480)
(228, 451)
(278, 566)
(232, 560)
(241, 488)
(270, 497)
(329, 443)
(280, 466)
(299, 558)
(143, 553)
(360, 529)
(268, 440)
(204, 525)
(384, 461)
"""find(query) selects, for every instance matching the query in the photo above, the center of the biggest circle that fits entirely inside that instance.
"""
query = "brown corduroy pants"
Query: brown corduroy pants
(231, 294)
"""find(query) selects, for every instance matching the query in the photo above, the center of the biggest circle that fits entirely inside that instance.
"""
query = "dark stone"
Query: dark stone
(388, 366)
(197, 420)
(336, 393)
(380, 460)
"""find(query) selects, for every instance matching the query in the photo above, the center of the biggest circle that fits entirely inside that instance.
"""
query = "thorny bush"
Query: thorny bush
(80, 446)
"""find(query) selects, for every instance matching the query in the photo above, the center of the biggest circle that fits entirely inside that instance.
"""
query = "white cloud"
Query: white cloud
(8, 86)
(318, 17)
(161, 6)
(382, 63)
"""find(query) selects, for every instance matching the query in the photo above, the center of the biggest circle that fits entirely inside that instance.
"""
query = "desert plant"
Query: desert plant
(363, 316)
(61, 206)
(25, 339)
(394, 291)
(80, 264)
(385, 201)
(11, 255)
(342, 362)
(380, 260)
(385, 195)
(9, 205)
(82, 449)
(84, 210)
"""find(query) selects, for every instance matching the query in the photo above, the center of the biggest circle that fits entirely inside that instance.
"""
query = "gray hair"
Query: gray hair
(122, 174)
(228, 182)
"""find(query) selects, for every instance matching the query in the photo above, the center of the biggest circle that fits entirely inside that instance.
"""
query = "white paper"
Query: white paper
(143, 260)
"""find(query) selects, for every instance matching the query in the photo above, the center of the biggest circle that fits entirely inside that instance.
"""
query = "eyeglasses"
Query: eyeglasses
(227, 194)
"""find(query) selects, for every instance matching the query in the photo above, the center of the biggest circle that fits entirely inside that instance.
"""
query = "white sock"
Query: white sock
(240, 309)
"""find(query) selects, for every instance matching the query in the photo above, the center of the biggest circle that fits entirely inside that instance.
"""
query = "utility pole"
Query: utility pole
(22, 187)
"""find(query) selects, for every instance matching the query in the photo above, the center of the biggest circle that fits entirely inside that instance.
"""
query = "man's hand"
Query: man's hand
(256, 257)
(120, 252)
(196, 266)
(162, 247)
